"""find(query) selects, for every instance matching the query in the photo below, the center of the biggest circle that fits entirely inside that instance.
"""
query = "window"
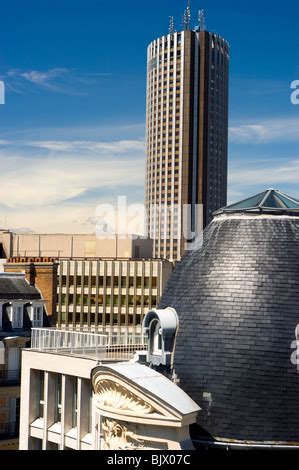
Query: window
(40, 394)
(156, 336)
(36, 444)
(37, 316)
(53, 446)
(74, 404)
(58, 398)
(17, 316)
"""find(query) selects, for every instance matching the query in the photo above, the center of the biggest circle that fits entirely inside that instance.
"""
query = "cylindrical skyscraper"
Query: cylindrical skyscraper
(187, 128)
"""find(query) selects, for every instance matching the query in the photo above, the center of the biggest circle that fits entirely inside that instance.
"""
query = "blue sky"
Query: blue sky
(72, 128)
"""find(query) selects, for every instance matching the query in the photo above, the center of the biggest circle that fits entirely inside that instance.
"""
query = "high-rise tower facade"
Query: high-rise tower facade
(187, 134)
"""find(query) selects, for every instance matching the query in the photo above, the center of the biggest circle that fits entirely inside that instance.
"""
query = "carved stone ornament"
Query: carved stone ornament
(120, 436)
(114, 396)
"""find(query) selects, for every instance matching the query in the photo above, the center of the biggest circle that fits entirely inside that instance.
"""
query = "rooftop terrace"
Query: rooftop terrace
(100, 347)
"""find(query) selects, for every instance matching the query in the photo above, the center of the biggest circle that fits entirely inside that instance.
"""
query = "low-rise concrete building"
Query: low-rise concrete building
(60, 245)
(109, 294)
(86, 391)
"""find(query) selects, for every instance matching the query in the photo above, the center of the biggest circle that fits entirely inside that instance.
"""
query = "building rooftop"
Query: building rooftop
(99, 347)
(14, 286)
(268, 202)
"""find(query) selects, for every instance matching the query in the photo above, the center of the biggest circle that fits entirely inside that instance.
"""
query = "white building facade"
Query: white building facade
(83, 392)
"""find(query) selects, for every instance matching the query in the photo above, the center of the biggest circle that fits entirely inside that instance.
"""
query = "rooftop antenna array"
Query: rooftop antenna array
(171, 25)
(202, 20)
(187, 17)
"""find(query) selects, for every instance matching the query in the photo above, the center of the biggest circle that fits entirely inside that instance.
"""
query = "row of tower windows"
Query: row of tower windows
(155, 74)
(170, 172)
(172, 108)
(164, 41)
(159, 118)
(170, 54)
(164, 128)
(165, 91)
(172, 104)
(164, 120)
(162, 140)
(163, 143)
(155, 162)
(153, 81)
(164, 149)
(164, 74)
(165, 87)
(172, 166)
(170, 201)
(172, 163)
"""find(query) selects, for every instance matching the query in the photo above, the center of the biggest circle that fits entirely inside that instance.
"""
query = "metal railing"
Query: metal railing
(10, 377)
(92, 345)
(124, 346)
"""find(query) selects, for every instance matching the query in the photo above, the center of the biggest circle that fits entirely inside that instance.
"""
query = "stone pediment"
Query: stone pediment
(113, 396)
(135, 392)
(136, 407)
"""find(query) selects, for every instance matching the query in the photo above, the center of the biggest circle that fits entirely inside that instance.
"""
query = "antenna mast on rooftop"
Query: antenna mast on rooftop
(187, 17)
(171, 25)
(202, 20)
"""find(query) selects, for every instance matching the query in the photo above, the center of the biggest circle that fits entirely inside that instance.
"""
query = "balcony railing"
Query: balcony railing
(10, 378)
(92, 345)
(9, 430)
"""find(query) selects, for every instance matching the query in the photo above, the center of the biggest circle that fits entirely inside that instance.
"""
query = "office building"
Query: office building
(187, 134)
(109, 294)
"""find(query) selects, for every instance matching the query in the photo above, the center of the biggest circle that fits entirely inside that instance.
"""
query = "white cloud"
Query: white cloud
(54, 178)
(90, 146)
(39, 78)
(271, 130)
(50, 219)
(57, 80)
(274, 175)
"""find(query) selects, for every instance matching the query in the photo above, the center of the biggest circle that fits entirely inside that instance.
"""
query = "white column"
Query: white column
(28, 403)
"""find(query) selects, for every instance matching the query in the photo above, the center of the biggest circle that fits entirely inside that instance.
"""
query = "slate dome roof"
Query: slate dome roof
(237, 298)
